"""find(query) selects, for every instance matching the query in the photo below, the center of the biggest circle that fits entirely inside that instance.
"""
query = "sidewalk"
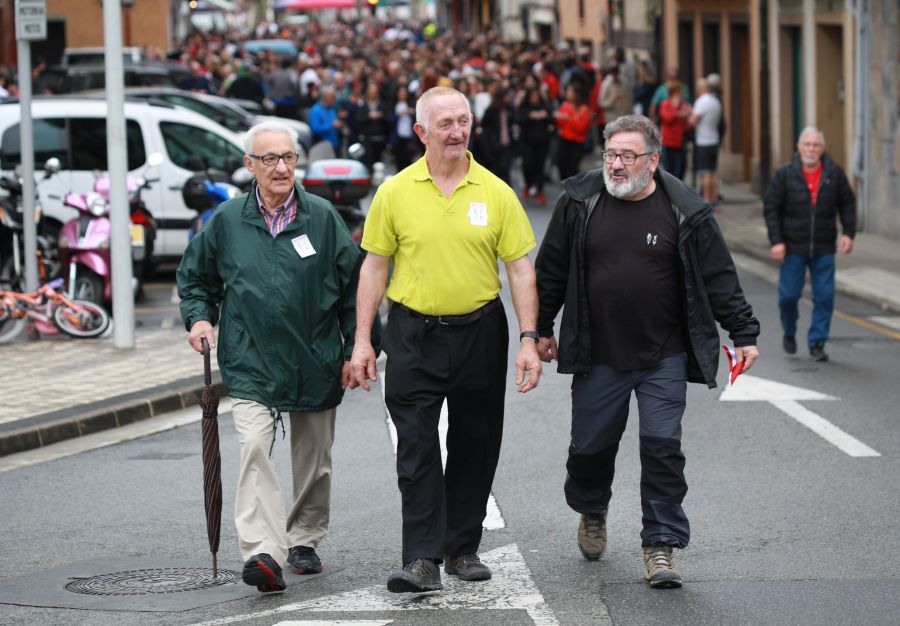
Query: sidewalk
(59, 388)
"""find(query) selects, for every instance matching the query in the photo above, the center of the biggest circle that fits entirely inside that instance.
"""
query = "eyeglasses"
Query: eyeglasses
(628, 158)
(271, 160)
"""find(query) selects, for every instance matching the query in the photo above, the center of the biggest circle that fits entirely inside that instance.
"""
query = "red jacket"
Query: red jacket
(671, 124)
(573, 124)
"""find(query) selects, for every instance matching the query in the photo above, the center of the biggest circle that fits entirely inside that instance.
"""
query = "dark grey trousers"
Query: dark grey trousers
(599, 414)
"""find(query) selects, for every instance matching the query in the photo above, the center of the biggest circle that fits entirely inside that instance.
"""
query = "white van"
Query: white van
(74, 131)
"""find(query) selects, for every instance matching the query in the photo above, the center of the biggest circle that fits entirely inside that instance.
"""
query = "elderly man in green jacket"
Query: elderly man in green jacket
(277, 269)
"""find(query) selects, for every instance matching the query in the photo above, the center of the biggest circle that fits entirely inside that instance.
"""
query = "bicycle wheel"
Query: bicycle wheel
(84, 320)
(10, 327)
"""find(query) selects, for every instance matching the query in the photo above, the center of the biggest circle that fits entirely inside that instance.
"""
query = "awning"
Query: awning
(311, 5)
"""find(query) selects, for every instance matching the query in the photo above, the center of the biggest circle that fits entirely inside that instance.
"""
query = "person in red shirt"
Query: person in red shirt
(673, 122)
(573, 123)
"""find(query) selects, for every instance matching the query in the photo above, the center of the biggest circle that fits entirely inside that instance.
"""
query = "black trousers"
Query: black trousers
(599, 413)
(533, 158)
(443, 510)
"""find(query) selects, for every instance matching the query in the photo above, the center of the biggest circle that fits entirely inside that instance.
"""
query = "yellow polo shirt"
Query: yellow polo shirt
(445, 250)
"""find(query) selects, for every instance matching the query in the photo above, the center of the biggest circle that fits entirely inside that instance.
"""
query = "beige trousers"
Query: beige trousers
(259, 512)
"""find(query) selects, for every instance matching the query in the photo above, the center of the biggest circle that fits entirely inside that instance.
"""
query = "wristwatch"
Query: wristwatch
(531, 334)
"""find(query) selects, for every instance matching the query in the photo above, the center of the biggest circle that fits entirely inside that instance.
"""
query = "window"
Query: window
(89, 144)
(78, 143)
(49, 141)
(184, 141)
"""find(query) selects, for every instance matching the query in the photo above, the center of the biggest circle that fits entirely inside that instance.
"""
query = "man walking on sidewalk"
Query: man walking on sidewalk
(644, 274)
(279, 269)
(445, 220)
(804, 200)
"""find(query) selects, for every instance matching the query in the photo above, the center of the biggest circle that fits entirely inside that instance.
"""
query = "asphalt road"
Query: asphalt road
(788, 527)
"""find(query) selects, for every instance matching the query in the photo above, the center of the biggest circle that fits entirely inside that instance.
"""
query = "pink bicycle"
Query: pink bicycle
(51, 312)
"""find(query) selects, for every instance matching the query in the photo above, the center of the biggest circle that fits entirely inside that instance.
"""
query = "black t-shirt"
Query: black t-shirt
(633, 281)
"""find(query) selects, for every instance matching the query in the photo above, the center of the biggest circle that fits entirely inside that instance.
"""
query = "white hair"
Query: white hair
(268, 127)
(423, 104)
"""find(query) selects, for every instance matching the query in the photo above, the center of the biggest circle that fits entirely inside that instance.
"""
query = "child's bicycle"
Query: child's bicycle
(51, 312)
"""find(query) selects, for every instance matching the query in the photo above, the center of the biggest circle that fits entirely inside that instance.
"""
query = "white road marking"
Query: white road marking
(168, 322)
(825, 429)
(510, 588)
(890, 322)
(109, 437)
(174, 299)
(785, 398)
(493, 519)
(339, 622)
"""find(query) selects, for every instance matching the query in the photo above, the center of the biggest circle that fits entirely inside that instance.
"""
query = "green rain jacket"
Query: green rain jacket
(286, 321)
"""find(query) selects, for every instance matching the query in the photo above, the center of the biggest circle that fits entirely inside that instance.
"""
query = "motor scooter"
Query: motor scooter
(84, 240)
(343, 182)
(12, 240)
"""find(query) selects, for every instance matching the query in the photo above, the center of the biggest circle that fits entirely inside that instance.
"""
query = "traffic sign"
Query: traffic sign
(31, 20)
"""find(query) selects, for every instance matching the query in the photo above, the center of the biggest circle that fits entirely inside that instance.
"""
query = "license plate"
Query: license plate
(137, 235)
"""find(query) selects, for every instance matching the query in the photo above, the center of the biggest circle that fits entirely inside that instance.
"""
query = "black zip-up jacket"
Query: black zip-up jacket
(791, 218)
(711, 291)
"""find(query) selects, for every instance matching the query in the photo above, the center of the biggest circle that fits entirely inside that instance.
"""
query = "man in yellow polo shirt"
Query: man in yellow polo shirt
(445, 220)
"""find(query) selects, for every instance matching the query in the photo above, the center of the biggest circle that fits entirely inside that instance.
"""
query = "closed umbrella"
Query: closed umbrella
(212, 460)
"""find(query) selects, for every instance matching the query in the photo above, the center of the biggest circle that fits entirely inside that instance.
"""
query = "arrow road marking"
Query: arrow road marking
(510, 588)
(493, 520)
(785, 398)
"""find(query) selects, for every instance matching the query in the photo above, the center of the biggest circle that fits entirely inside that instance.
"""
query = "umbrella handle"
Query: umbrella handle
(207, 369)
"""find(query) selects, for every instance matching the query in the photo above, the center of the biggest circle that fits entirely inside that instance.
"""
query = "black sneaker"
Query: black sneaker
(467, 567)
(264, 573)
(416, 576)
(789, 343)
(304, 560)
(817, 352)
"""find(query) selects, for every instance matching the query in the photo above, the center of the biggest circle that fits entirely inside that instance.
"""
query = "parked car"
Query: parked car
(96, 56)
(219, 109)
(73, 129)
(84, 77)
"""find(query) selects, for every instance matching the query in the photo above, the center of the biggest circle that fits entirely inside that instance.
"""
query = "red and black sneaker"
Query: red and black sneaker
(262, 571)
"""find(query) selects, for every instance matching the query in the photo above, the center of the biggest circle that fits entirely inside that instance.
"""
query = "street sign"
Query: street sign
(786, 398)
(31, 20)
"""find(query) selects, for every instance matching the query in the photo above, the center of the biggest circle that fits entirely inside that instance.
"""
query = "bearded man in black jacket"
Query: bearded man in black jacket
(642, 270)
(802, 205)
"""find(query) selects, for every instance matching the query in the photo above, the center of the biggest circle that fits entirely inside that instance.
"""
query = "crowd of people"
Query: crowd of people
(544, 105)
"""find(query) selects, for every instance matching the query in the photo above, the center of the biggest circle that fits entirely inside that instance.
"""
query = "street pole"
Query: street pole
(117, 168)
(31, 25)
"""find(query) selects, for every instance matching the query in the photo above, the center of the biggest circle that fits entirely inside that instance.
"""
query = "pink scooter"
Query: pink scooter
(84, 245)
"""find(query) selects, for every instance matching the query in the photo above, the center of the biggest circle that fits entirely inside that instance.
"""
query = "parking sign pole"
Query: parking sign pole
(31, 25)
(117, 164)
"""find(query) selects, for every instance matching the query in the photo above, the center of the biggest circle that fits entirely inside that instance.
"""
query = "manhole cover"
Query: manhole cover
(141, 582)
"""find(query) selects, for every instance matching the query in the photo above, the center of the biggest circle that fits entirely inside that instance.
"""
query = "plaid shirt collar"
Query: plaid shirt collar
(281, 216)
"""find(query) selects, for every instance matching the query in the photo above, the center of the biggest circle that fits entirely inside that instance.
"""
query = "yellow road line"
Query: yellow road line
(867, 325)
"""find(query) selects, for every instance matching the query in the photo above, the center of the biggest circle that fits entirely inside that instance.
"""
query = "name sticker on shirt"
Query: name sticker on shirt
(478, 215)
(303, 246)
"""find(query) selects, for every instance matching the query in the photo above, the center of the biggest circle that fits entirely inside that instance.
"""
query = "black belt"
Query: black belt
(453, 320)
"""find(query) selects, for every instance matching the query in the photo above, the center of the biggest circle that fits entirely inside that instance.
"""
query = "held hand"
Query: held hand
(846, 244)
(362, 365)
(527, 361)
(778, 251)
(747, 354)
(348, 381)
(199, 330)
(546, 348)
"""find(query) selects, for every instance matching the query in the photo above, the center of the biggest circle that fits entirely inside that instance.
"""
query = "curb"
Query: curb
(47, 429)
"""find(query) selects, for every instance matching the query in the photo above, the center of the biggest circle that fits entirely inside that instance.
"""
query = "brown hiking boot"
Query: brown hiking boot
(661, 572)
(592, 535)
(467, 567)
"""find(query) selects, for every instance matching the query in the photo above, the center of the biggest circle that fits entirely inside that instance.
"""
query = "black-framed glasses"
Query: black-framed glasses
(271, 160)
(628, 158)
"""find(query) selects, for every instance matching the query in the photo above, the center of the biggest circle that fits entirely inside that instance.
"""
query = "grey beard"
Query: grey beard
(630, 187)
